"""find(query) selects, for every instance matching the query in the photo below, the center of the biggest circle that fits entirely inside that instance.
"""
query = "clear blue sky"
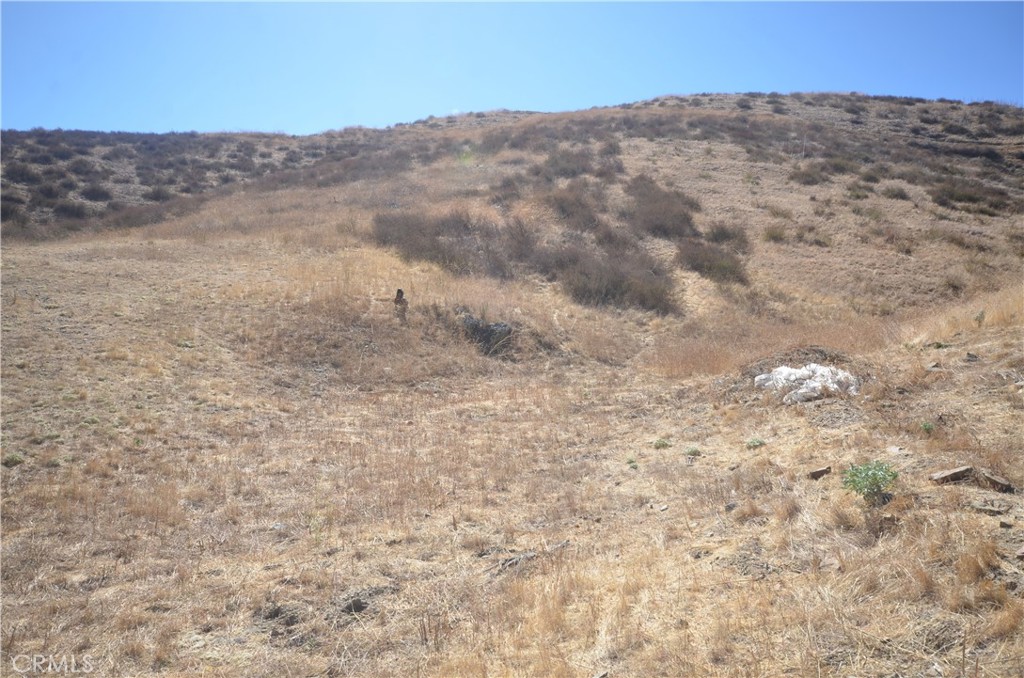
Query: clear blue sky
(305, 68)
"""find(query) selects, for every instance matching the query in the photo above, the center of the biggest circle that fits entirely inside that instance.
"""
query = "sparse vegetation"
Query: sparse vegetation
(238, 457)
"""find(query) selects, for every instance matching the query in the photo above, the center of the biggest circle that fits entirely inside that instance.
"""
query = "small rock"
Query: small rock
(1020, 554)
(730, 506)
(952, 475)
(971, 357)
(820, 472)
(997, 482)
(933, 367)
(1005, 524)
(353, 606)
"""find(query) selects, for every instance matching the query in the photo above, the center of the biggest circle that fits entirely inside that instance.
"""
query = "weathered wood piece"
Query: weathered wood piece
(994, 481)
(952, 475)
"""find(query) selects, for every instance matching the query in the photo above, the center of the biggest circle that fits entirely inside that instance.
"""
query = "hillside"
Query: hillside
(224, 453)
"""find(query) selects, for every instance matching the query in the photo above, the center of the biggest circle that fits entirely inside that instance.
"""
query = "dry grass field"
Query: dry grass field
(225, 455)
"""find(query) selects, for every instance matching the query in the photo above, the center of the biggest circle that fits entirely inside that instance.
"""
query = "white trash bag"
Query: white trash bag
(810, 382)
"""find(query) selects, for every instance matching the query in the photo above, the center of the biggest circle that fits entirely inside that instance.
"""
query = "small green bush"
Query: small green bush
(13, 459)
(870, 480)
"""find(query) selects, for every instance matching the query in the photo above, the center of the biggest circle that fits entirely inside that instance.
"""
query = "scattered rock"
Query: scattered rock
(971, 357)
(343, 609)
(283, 615)
(1005, 524)
(730, 506)
(820, 472)
(807, 383)
(1020, 554)
(354, 605)
(952, 475)
(992, 480)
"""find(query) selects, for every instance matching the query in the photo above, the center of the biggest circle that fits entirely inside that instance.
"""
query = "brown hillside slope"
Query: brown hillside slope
(224, 454)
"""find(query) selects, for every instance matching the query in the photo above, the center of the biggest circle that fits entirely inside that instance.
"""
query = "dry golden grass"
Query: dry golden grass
(237, 461)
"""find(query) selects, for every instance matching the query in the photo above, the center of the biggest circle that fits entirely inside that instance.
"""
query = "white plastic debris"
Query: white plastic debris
(810, 382)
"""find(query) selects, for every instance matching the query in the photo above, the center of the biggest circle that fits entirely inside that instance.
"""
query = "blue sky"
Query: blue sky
(304, 68)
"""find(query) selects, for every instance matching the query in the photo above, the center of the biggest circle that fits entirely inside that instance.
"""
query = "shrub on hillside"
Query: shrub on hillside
(20, 173)
(566, 164)
(895, 193)
(820, 171)
(71, 209)
(454, 241)
(955, 193)
(11, 213)
(723, 234)
(97, 193)
(630, 280)
(158, 194)
(574, 206)
(660, 212)
(711, 261)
